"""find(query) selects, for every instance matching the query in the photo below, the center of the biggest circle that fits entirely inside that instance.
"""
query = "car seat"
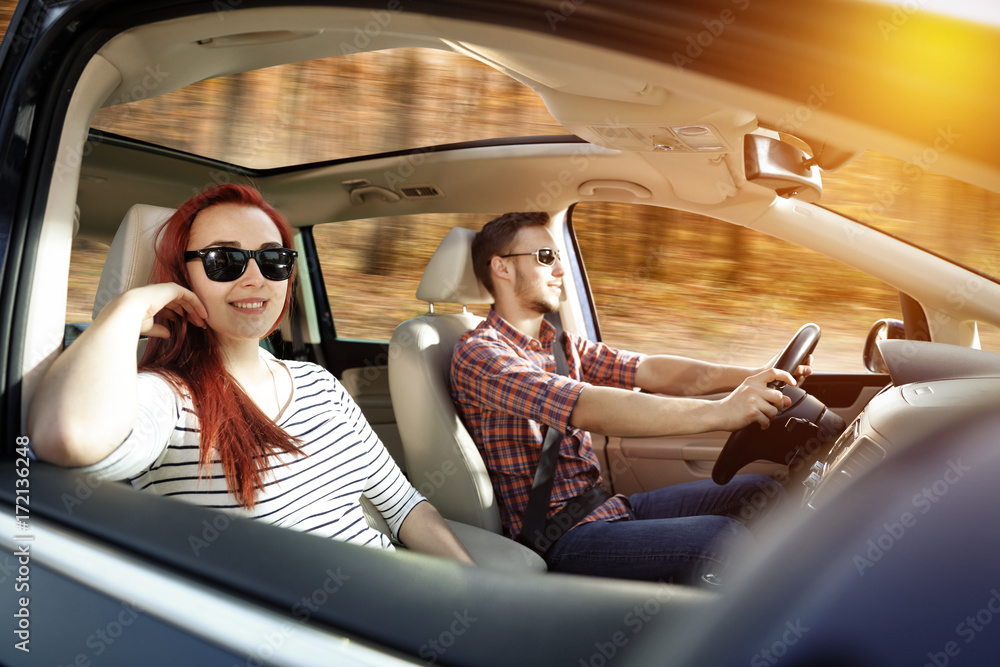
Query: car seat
(441, 458)
(130, 257)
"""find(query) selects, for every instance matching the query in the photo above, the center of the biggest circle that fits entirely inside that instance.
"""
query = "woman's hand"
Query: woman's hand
(150, 300)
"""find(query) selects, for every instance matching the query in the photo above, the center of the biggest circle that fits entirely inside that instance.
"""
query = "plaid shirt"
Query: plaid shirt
(507, 390)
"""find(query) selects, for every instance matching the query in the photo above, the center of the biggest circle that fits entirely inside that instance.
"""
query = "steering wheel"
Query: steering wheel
(790, 428)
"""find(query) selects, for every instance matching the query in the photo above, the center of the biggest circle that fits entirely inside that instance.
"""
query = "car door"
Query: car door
(674, 282)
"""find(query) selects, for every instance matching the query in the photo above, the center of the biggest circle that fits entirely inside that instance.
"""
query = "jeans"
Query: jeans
(676, 534)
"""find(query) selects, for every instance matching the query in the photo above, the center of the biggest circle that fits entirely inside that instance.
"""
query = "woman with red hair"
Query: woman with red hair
(209, 416)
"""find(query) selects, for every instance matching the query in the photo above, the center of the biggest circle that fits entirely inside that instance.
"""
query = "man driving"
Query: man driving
(505, 383)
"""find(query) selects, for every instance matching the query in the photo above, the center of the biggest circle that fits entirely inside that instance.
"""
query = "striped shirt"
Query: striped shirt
(507, 391)
(317, 493)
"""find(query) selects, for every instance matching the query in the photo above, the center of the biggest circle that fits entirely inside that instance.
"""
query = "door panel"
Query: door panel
(644, 464)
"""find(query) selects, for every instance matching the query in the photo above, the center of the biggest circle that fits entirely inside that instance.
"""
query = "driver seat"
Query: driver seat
(442, 460)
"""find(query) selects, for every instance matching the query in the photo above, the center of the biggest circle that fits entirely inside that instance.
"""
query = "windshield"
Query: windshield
(949, 217)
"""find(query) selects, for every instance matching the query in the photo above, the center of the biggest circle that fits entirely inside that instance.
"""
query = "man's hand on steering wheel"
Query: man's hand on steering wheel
(754, 401)
(747, 443)
(801, 372)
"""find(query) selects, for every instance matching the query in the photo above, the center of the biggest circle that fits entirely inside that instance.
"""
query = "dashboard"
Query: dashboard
(933, 385)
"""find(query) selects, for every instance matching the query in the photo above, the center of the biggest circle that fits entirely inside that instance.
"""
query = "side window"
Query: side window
(85, 264)
(694, 286)
(372, 268)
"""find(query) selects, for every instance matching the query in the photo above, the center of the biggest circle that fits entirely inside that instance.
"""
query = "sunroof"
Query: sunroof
(346, 106)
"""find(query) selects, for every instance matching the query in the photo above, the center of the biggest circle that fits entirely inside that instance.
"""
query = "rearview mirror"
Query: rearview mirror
(885, 329)
(782, 167)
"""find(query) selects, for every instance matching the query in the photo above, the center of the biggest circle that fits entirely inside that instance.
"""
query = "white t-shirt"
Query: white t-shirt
(318, 493)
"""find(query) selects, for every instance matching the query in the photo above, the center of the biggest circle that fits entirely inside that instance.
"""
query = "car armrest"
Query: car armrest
(492, 551)
(497, 552)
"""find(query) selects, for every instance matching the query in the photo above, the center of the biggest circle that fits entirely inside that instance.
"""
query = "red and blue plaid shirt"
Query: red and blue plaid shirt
(507, 391)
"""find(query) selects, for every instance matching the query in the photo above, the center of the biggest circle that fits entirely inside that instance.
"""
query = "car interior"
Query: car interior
(634, 131)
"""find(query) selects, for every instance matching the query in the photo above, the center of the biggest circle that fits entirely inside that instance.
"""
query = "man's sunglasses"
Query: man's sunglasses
(545, 256)
(224, 264)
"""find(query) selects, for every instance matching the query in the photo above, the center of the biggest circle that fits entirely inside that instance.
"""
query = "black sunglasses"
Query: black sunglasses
(224, 264)
(545, 256)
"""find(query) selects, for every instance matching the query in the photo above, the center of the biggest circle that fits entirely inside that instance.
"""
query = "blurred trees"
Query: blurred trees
(404, 100)
(407, 99)
(334, 108)
(6, 13)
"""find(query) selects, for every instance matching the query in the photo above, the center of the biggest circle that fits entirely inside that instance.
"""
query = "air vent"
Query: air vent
(420, 191)
(864, 455)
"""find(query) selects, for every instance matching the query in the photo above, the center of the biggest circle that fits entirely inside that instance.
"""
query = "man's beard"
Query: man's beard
(539, 305)
(542, 304)
(544, 308)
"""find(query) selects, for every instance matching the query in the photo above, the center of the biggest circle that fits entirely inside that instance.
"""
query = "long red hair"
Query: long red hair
(233, 429)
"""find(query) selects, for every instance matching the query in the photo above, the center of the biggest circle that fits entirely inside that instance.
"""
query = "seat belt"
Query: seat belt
(537, 532)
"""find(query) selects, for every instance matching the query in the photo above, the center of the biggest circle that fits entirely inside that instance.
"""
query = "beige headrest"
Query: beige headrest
(130, 257)
(449, 277)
